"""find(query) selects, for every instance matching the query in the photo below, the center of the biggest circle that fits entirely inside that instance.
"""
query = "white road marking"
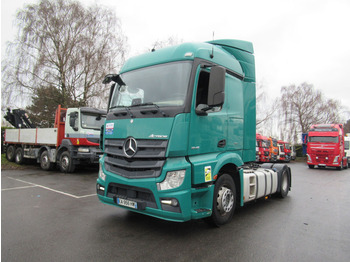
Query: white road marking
(47, 188)
(14, 188)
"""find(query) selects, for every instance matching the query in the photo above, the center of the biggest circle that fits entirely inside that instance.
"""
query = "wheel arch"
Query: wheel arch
(229, 163)
(65, 146)
(41, 150)
(232, 170)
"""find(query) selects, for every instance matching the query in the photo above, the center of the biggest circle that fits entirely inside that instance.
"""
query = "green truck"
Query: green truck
(180, 133)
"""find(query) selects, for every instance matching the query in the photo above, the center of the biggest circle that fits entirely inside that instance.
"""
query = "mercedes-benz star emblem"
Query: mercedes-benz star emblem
(130, 147)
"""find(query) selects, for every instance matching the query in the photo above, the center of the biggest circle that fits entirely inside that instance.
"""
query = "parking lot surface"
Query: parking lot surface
(51, 216)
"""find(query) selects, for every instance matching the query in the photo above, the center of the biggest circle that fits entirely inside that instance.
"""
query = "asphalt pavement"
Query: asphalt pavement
(51, 216)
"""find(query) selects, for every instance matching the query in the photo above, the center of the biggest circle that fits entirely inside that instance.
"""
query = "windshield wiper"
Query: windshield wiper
(153, 111)
(121, 112)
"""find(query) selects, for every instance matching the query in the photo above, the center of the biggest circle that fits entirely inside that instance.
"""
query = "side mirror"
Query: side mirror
(216, 90)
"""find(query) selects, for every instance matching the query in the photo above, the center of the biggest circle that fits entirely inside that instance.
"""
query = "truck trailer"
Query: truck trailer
(73, 140)
(325, 147)
(180, 134)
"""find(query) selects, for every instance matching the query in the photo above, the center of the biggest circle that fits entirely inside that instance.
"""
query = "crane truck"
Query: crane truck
(180, 134)
(73, 140)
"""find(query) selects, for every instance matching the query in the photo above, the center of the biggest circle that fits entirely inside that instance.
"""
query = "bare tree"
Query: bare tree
(302, 106)
(63, 45)
(266, 107)
(170, 41)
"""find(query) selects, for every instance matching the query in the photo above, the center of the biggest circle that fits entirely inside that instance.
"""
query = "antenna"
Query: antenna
(212, 49)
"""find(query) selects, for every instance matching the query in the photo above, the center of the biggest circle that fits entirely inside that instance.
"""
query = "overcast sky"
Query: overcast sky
(295, 41)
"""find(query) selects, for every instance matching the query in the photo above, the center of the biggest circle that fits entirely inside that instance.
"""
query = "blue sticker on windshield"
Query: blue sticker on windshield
(109, 128)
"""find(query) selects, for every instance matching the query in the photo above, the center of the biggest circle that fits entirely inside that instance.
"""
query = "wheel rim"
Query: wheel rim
(45, 160)
(225, 200)
(65, 162)
(10, 152)
(18, 157)
(284, 183)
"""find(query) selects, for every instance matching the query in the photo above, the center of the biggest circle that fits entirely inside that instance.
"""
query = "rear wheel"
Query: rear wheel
(284, 184)
(19, 159)
(10, 153)
(45, 161)
(311, 166)
(66, 163)
(224, 202)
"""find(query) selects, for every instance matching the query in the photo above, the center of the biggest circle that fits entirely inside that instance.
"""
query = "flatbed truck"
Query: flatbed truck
(180, 134)
(73, 140)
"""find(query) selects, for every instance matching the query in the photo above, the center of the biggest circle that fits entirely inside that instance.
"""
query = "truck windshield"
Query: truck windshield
(163, 85)
(324, 139)
(91, 121)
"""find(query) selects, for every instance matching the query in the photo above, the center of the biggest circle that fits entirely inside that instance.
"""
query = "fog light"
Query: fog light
(101, 188)
(171, 202)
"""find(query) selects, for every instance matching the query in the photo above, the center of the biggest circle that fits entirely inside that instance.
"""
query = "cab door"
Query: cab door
(208, 132)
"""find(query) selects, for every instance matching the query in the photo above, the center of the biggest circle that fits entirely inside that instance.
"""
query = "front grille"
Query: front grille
(132, 193)
(147, 162)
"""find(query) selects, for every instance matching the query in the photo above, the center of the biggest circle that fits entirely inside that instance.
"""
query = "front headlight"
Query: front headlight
(336, 159)
(172, 180)
(308, 158)
(83, 149)
(101, 174)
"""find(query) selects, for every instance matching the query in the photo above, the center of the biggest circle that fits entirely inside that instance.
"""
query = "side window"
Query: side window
(202, 89)
(202, 92)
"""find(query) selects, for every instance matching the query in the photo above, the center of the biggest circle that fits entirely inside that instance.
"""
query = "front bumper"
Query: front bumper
(179, 205)
(92, 156)
(324, 161)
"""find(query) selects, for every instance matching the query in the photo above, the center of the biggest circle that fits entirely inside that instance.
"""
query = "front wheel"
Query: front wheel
(311, 166)
(224, 202)
(66, 163)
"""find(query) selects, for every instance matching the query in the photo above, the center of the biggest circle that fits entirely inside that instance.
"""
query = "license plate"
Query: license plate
(126, 203)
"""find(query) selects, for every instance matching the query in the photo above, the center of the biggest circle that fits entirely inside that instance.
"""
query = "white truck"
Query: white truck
(347, 147)
(73, 140)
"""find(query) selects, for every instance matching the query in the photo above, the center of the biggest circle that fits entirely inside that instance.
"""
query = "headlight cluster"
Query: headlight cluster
(101, 174)
(172, 180)
(336, 159)
(83, 150)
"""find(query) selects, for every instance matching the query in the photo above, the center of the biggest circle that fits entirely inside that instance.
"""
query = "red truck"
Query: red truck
(284, 152)
(325, 147)
(263, 148)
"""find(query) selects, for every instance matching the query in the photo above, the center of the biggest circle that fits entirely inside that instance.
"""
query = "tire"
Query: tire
(340, 167)
(19, 156)
(224, 200)
(284, 185)
(66, 163)
(10, 153)
(311, 166)
(45, 163)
